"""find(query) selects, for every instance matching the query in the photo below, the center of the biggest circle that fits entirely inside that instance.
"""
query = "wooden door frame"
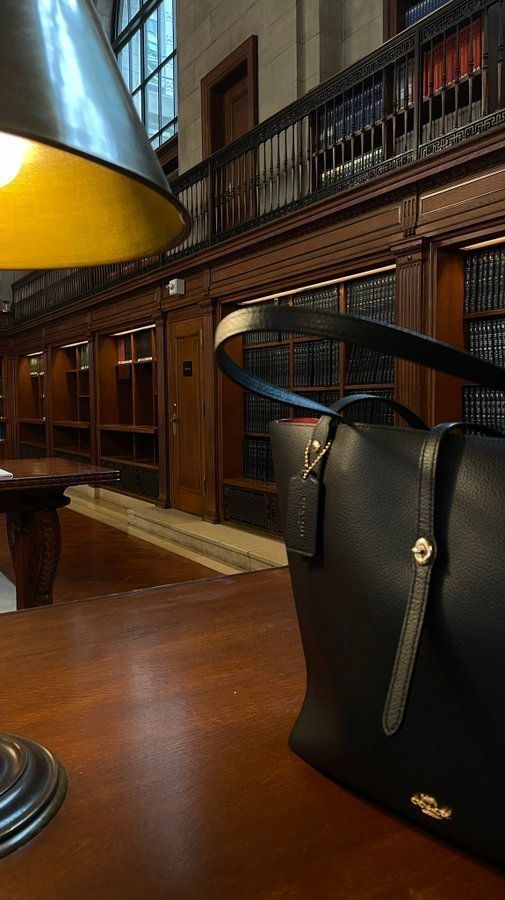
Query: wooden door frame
(244, 55)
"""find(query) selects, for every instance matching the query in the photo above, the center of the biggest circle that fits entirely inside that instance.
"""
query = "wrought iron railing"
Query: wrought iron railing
(439, 83)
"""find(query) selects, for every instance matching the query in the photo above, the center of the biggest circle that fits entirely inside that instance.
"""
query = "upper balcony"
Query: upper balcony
(436, 85)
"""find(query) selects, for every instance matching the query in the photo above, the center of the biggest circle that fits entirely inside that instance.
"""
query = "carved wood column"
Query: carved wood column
(413, 382)
(35, 545)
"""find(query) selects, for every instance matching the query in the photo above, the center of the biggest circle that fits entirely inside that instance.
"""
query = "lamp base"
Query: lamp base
(32, 788)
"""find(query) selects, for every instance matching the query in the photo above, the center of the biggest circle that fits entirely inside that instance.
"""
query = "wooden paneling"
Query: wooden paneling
(461, 204)
(449, 328)
(411, 296)
(309, 256)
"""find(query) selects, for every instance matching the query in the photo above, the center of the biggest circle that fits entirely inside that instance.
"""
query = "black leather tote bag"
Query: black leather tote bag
(396, 542)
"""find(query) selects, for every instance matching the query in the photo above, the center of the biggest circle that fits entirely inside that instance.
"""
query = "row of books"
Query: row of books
(324, 298)
(454, 57)
(260, 411)
(261, 337)
(269, 363)
(84, 356)
(486, 338)
(144, 345)
(445, 124)
(485, 280)
(267, 337)
(484, 406)
(347, 116)
(420, 10)
(3, 432)
(370, 411)
(373, 297)
(352, 167)
(257, 460)
(315, 363)
(367, 366)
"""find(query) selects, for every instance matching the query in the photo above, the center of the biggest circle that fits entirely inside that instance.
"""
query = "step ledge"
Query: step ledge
(222, 547)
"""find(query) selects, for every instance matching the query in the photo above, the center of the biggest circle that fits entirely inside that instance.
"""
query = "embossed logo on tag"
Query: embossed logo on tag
(302, 516)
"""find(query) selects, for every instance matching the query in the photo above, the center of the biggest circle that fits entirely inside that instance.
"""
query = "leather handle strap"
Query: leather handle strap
(399, 342)
(424, 557)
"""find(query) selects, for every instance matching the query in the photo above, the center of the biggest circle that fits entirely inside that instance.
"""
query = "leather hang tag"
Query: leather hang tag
(303, 514)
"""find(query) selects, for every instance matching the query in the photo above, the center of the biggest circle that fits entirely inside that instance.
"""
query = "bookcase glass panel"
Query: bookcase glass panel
(320, 369)
(484, 318)
(373, 298)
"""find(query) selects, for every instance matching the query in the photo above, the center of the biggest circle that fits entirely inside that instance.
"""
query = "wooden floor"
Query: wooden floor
(98, 559)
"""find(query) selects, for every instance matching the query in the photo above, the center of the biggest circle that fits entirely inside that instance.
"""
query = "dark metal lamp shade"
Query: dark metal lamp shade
(79, 182)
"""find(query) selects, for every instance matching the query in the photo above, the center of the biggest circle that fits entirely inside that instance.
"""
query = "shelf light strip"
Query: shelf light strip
(77, 344)
(320, 284)
(38, 353)
(489, 243)
(133, 330)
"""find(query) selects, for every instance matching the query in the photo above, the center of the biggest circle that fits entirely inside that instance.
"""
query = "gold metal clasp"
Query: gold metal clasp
(313, 449)
(429, 806)
(423, 551)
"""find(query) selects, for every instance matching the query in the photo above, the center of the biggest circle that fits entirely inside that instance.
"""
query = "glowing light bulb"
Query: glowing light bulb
(12, 153)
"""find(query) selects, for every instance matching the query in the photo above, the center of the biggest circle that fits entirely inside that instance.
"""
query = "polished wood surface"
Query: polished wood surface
(120, 562)
(170, 710)
(31, 499)
(49, 472)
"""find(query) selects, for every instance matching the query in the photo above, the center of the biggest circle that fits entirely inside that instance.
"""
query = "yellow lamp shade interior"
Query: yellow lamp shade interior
(60, 209)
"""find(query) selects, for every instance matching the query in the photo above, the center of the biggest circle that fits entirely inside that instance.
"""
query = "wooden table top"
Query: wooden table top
(171, 709)
(51, 472)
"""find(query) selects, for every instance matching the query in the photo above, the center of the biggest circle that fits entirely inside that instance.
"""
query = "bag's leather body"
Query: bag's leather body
(396, 541)
(351, 599)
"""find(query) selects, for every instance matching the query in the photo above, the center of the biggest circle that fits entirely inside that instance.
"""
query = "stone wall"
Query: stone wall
(300, 44)
(362, 28)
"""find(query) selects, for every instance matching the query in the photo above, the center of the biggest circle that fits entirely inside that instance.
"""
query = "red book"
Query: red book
(438, 66)
(464, 47)
(477, 44)
(450, 59)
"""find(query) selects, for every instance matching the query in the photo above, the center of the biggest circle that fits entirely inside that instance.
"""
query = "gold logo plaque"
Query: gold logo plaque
(429, 806)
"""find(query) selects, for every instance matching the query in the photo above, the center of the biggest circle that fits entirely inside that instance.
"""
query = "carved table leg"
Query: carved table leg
(35, 543)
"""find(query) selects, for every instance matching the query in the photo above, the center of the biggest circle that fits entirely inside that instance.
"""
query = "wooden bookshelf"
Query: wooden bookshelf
(70, 401)
(128, 409)
(473, 282)
(32, 405)
(314, 367)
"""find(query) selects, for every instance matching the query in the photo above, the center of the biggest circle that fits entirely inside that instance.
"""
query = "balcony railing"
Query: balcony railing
(435, 85)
